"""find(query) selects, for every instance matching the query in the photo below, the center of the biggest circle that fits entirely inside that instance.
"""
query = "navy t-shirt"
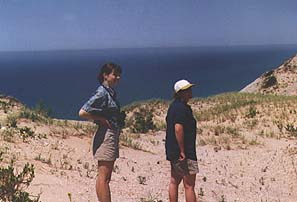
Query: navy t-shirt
(181, 113)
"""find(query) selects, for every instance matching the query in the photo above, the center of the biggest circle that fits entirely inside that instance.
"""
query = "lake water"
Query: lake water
(64, 80)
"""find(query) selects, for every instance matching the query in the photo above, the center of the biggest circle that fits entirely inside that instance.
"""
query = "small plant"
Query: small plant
(65, 122)
(150, 198)
(12, 121)
(26, 132)
(69, 196)
(128, 142)
(291, 129)
(154, 142)
(30, 114)
(116, 169)
(222, 199)
(160, 125)
(38, 114)
(218, 130)
(8, 135)
(43, 160)
(204, 179)
(3, 106)
(251, 123)
(12, 185)
(269, 73)
(252, 112)
(64, 162)
(201, 192)
(233, 131)
(77, 126)
(141, 180)
(261, 181)
(55, 146)
(254, 141)
(42, 109)
(41, 136)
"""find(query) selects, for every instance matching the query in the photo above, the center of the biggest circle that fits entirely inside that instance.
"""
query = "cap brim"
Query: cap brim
(186, 87)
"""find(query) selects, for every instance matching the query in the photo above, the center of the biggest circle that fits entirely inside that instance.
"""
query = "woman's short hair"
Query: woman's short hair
(107, 69)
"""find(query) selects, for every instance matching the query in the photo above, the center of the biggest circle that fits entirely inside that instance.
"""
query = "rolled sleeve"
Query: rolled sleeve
(96, 104)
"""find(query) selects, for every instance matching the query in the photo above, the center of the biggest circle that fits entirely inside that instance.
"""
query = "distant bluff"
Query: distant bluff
(280, 81)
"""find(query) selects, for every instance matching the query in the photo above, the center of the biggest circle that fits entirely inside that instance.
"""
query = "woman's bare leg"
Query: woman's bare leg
(103, 179)
(189, 184)
(173, 186)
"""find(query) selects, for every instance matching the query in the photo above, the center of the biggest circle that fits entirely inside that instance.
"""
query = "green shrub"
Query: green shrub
(12, 185)
(143, 120)
(40, 113)
(26, 132)
(269, 81)
(42, 109)
(12, 121)
(8, 135)
(269, 73)
(3, 106)
(26, 113)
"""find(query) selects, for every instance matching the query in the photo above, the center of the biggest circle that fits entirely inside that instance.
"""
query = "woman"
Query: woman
(181, 142)
(103, 108)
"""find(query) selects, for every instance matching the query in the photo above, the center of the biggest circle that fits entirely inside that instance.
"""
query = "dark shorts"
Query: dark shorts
(185, 167)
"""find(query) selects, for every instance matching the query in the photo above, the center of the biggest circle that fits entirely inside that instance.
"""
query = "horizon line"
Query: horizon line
(149, 47)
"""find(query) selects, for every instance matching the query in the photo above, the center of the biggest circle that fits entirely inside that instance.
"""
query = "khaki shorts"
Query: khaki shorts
(106, 145)
(185, 167)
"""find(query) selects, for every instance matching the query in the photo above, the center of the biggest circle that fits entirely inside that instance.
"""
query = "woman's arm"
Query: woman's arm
(86, 115)
(179, 133)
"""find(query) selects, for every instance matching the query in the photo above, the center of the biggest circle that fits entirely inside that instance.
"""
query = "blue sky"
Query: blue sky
(97, 24)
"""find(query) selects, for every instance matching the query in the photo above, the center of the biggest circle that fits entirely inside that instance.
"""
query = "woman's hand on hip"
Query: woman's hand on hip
(105, 123)
(182, 156)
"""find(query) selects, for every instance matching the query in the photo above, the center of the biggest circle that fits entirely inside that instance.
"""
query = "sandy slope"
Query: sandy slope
(285, 75)
(262, 173)
(232, 166)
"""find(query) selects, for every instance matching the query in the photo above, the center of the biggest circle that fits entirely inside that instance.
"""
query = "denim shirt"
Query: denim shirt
(104, 103)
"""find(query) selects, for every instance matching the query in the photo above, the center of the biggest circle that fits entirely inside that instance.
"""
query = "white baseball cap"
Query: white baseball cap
(182, 85)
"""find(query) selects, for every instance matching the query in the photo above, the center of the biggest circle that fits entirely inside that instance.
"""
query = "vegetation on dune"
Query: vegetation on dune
(226, 119)
(20, 123)
(156, 103)
(142, 120)
(269, 81)
(142, 115)
(223, 119)
(224, 104)
(151, 198)
(16, 113)
(15, 110)
(244, 118)
(128, 141)
(13, 185)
